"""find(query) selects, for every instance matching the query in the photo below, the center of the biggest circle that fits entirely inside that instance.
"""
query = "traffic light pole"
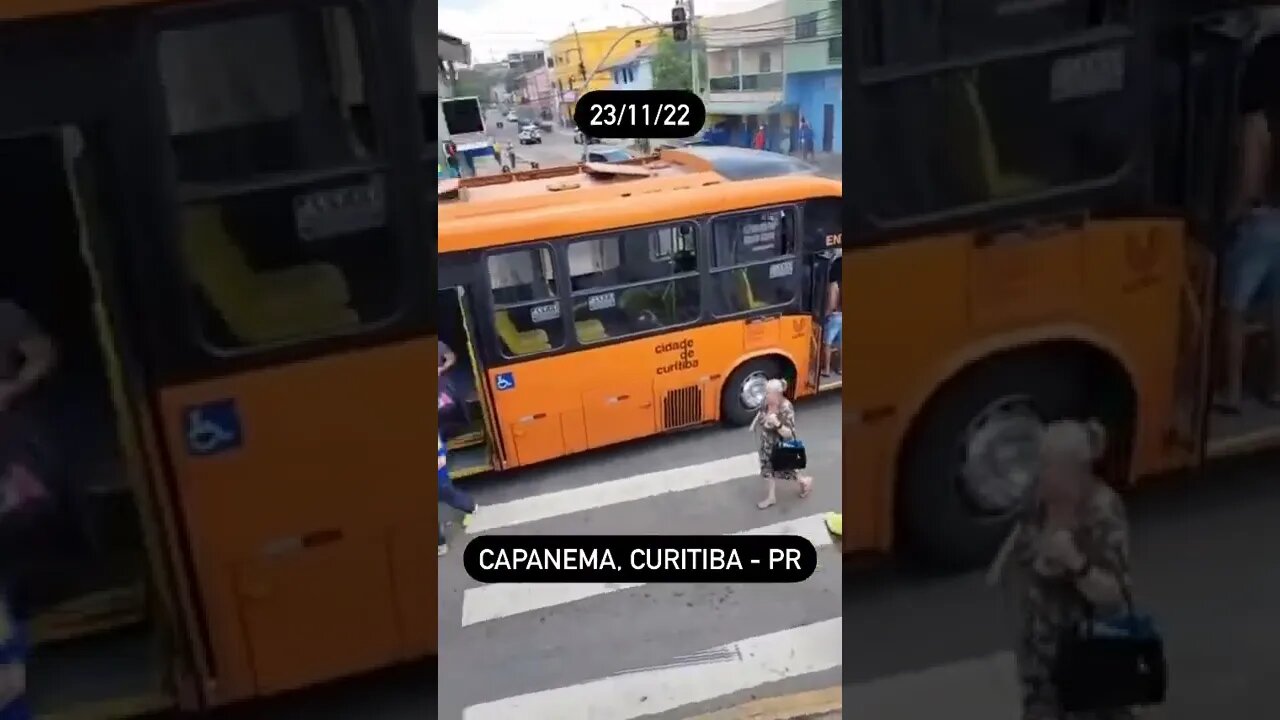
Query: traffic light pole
(694, 77)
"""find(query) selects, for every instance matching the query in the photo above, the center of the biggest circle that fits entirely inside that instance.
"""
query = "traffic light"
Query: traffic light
(679, 24)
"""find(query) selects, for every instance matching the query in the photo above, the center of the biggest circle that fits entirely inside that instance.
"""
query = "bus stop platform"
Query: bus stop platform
(822, 704)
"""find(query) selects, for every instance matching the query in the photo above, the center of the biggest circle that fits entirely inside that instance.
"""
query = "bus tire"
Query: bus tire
(953, 519)
(746, 379)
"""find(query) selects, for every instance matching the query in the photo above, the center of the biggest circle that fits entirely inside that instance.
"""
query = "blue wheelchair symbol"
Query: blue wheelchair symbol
(213, 427)
(505, 381)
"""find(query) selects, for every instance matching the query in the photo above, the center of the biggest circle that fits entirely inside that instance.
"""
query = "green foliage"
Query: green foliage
(671, 67)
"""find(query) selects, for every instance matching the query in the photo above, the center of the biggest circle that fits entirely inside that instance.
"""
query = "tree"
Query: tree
(671, 66)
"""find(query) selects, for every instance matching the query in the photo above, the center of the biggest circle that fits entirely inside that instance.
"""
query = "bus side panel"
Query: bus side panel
(311, 524)
(632, 389)
(1113, 286)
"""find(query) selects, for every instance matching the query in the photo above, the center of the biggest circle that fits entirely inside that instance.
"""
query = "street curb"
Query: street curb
(800, 706)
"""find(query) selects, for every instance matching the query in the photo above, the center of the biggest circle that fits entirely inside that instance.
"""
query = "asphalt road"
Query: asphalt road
(618, 653)
(1205, 564)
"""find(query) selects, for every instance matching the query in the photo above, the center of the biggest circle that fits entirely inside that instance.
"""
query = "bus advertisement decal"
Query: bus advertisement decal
(213, 427)
(679, 354)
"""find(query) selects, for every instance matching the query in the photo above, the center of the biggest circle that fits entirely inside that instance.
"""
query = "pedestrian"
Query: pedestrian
(1069, 556)
(775, 422)
(806, 139)
(451, 158)
(833, 325)
(785, 142)
(758, 142)
(511, 156)
(448, 494)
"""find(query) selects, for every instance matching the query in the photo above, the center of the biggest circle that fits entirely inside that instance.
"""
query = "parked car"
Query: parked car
(512, 117)
(530, 135)
(608, 154)
(546, 125)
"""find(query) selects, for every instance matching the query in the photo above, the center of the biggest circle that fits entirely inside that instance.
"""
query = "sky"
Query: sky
(494, 28)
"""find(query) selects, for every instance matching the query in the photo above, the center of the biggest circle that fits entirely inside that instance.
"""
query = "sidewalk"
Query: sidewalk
(814, 705)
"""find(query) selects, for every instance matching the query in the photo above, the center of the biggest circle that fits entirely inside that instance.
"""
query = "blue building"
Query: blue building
(814, 60)
(634, 71)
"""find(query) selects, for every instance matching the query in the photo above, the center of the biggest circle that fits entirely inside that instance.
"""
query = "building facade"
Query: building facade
(746, 71)
(574, 57)
(538, 90)
(635, 70)
(815, 84)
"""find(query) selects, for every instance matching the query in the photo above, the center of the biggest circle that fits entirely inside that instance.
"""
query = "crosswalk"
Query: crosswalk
(614, 651)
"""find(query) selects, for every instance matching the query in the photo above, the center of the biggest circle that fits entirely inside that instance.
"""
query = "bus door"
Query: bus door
(824, 240)
(1216, 63)
(289, 340)
(466, 410)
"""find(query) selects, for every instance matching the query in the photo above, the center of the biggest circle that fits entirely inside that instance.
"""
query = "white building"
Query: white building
(744, 60)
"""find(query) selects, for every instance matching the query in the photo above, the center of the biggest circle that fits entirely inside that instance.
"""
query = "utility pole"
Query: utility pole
(694, 60)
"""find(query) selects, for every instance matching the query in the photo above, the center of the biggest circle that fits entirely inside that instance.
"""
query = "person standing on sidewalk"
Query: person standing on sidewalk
(449, 494)
(806, 140)
(758, 141)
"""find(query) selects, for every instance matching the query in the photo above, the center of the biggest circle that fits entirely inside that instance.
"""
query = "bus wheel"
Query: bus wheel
(744, 391)
(970, 462)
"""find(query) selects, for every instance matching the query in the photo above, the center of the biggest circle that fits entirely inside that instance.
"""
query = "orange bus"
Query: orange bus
(597, 304)
(1039, 204)
(218, 212)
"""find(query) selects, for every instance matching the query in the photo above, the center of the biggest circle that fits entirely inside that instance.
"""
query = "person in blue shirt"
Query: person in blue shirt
(806, 139)
(448, 494)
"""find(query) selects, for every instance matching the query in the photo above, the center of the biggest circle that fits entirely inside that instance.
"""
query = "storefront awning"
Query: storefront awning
(732, 107)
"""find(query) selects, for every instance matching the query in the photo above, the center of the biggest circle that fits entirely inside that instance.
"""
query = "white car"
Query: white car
(512, 117)
(530, 135)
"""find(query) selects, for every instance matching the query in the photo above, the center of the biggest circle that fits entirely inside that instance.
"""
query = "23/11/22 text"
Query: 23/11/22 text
(640, 114)
(640, 559)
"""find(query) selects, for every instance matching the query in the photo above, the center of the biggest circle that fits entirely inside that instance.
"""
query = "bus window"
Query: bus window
(526, 302)
(634, 282)
(1008, 130)
(754, 262)
(282, 210)
(916, 33)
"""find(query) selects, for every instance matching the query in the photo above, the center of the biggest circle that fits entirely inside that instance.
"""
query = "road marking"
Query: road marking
(746, 664)
(490, 602)
(985, 687)
(613, 492)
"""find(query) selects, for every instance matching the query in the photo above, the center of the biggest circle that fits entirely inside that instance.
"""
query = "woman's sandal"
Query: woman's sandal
(806, 487)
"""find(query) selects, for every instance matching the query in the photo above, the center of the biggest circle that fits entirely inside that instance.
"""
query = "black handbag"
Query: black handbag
(1111, 663)
(788, 456)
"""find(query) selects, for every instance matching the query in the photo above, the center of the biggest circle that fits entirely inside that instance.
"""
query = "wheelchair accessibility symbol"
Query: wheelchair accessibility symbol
(505, 381)
(213, 428)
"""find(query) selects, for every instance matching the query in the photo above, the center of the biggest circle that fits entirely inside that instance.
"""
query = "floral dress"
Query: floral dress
(1049, 605)
(771, 438)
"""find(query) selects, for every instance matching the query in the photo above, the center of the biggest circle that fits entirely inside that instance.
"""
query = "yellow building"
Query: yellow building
(587, 50)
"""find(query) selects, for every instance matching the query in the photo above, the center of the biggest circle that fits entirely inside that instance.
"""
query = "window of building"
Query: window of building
(807, 26)
(766, 62)
(835, 51)
(634, 282)
(526, 301)
(282, 218)
(753, 263)
(1009, 129)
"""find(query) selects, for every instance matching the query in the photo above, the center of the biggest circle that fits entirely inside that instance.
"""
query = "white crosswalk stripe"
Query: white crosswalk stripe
(644, 679)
